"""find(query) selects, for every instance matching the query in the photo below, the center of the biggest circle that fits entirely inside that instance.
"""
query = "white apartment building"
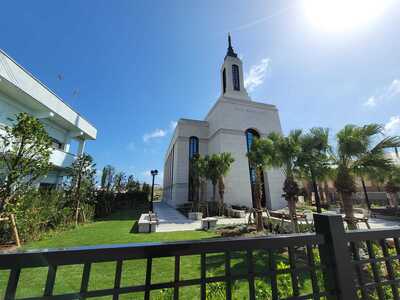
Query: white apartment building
(20, 91)
(230, 126)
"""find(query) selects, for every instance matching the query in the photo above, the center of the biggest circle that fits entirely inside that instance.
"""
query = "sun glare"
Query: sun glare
(343, 15)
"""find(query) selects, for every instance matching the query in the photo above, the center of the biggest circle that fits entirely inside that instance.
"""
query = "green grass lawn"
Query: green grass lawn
(117, 230)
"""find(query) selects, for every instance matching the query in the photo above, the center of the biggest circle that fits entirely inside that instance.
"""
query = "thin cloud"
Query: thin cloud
(158, 133)
(262, 20)
(131, 146)
(393, 126)
(391, 91)
(257, 74)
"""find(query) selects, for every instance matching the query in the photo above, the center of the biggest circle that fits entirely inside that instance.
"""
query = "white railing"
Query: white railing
(61, 158)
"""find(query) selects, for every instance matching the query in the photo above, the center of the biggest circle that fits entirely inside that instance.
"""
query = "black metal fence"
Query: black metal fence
(339, 265)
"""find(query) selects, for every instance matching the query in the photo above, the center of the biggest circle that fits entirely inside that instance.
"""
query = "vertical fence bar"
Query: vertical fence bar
(85, 280)
(389, 268)
(203, 286)
(117, 279)
(293, 272)
(250, 274)
(228, 279)
(12, 283)
(177, 276)
(51, 277)
(375, 270)
(359, 271)
(313, 275)
(335, 257)
(274, 282)
(148, 278)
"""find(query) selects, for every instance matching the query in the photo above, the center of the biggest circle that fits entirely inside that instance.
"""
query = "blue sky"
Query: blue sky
(138, 66)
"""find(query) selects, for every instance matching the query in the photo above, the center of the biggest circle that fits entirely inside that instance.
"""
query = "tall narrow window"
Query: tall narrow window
(251, 135)
(235, 77)
(224, 80)
(193, 150)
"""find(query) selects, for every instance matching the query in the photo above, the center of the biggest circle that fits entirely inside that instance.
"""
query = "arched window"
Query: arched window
(224, 80)
(251, 135)
(193, 150)
(235, 77)
(193, 146)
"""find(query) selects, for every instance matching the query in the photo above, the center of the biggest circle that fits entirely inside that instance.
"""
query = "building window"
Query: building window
(193, 150)
(56, 144)
(251, 135)
(235, 77)
(224, 80)
(193, 146)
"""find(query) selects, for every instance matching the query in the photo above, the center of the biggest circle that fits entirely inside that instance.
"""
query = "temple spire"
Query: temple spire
(230, 52)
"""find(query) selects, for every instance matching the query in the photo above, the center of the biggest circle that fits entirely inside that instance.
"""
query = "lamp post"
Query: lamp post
(153, 173)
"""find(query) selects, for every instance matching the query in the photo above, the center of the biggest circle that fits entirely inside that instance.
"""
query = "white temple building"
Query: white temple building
(230, 126)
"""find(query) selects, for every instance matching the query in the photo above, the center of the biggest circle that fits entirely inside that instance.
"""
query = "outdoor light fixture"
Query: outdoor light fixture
(153, 173)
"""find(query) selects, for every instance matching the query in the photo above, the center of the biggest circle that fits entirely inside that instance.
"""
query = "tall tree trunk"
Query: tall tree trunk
(221, 190)
(292, 213)
(316, 193)
(258, 195)
(365, 193)
(348, 210)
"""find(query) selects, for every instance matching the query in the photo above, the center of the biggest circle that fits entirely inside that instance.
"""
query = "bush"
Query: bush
(37, 212)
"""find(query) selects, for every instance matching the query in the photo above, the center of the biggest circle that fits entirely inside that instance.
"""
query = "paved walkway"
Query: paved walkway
(172, 220)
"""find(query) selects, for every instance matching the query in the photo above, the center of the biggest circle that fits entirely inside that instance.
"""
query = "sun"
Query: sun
(343, 15)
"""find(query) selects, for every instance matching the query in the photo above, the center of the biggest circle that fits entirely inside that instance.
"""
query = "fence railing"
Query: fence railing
(337, 265)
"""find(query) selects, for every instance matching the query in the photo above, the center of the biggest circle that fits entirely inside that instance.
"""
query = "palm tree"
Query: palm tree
(259, 161)
(313, 159)
(198, 174)
(278, 151)
(217, 167)
(359, 148)
(392, 186)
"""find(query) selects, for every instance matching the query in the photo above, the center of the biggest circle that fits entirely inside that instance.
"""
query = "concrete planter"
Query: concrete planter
(208, 223)
(147, 223)
(195, 215)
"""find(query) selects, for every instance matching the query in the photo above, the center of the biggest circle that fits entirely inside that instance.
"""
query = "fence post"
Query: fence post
(335, 256)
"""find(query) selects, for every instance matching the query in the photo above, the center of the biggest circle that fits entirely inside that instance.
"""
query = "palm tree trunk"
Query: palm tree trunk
(316, 193)
(365, 193)
(221, 190)
(348, 210)
(258, 195)
(292, 214)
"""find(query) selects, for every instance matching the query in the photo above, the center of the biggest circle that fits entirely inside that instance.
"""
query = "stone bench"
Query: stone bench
(147, 223)
(208, 223)
(237, 213)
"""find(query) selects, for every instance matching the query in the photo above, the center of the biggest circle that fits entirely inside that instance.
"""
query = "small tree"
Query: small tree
(119, 182)
(359, 148)
(25, 150)
(259, 161)
(392, 186)
(107, 178)
(217, 166)
(81, 184)
(132, 185)
(197, 174)
(313, 160)
(278, 151)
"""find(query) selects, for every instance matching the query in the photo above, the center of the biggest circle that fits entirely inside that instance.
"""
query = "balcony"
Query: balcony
(61, 159)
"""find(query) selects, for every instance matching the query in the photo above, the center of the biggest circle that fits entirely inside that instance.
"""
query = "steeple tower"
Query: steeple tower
(232, 75)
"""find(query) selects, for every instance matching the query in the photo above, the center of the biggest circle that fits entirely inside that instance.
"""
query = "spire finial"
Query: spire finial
(230, 52)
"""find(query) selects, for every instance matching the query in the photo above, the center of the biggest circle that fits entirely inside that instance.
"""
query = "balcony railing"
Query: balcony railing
(61, 158)
(340, 263)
